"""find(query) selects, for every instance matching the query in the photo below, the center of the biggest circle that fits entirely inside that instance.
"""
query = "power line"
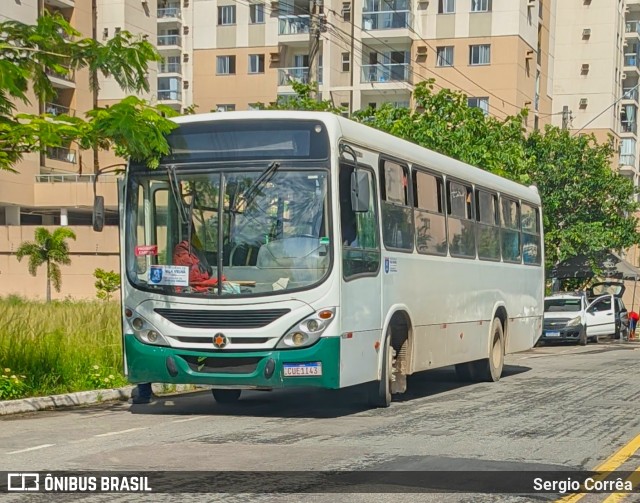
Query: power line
(624, 95)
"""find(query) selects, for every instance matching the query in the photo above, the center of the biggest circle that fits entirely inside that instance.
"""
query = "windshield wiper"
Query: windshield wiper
(248, 195)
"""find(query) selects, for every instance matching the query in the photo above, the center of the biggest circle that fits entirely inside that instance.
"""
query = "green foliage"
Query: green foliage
(303, 100)
(12, 386)
(54, 348)
(587, 206)
(48, 248)
(29, 52)
(106, 283)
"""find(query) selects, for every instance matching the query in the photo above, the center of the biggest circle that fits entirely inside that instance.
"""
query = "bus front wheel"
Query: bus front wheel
(380, 391)
(226, 395)
(490, 369)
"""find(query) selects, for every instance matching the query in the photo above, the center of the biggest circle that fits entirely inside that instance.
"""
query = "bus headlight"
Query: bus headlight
(307, 331)
(574, 322)
(144, 331)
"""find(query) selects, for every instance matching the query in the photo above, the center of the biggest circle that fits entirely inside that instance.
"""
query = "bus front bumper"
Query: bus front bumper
(256, 369)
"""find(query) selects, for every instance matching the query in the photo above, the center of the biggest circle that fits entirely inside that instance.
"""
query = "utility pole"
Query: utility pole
(565, 117)
(314, 44)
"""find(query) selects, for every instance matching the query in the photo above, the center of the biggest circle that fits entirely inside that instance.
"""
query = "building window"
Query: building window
(481, 103)
(256, 13)
(226, 65)
(444, 56)
(255, 106)
(446, 6)
(480, 5)
(346, 61)
(256, 63)
(226, 14)
(225, 108)
(480, 54)
(346, 11)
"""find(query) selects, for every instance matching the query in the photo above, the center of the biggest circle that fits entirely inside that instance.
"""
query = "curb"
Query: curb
(34, 404)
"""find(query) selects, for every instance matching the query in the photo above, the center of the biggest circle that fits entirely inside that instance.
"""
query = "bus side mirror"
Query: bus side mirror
(98, 213)
(359, 191)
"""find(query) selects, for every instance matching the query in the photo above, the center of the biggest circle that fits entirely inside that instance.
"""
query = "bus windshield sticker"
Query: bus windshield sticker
(390, 265)
(169, 275)
(145, 250)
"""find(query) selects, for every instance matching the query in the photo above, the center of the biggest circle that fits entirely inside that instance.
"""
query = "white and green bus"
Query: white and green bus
(283, 249)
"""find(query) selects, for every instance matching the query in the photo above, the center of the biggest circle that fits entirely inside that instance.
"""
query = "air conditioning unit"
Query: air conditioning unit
(529, 54)
(422, 50)
(584, 102)
(274, 57)
(586, 33)
(275, 5)
(585, 68)
(185, 84)
(531, 3)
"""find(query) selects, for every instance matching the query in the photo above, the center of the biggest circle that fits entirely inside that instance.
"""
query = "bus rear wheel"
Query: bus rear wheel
(226, 395)
(490, 369)
(380, 391)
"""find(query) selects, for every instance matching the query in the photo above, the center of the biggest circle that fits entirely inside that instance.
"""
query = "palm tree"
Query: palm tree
(48, 248)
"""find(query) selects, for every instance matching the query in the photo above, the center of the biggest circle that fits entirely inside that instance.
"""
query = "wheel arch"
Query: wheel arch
(399, 319)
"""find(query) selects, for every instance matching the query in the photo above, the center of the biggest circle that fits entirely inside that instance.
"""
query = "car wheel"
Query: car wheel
(226, 395)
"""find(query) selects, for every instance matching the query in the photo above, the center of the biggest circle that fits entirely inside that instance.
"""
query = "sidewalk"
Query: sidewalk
(34, 404)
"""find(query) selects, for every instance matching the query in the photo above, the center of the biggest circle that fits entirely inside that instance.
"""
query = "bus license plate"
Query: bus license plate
(302, 369)
(553, 334)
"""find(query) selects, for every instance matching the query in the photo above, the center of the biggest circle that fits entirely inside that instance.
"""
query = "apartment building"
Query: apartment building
(373, 52)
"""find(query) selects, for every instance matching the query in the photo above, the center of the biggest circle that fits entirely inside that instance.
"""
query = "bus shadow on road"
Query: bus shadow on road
(310, 403)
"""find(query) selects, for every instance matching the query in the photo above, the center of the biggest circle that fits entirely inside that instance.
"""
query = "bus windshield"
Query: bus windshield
(268, 232)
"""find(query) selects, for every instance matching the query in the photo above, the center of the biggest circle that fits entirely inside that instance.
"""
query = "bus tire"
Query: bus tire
(380, 391)
(490, 369)
(226, 395)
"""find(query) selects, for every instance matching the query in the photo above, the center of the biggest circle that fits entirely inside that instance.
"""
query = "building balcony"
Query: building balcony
(56, 109)
(296, 74)
(170, 14)
(174, 68)
(631, 60)
(628, 127)
(293, 25)
(383, 73)
(627, 160)
(63, 154)
(60, 4)
(630, 94)
(171, 98)
(386, 20)
(169, 42)
(61, 80)
(632, 28)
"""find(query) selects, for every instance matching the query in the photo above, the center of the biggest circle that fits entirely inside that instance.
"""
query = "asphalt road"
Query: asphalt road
(556, 408)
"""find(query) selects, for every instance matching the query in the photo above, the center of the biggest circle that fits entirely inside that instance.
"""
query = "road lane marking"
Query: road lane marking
(111, 433)
(634, 478)
(43, 446)
(185, 420)
(610, 464)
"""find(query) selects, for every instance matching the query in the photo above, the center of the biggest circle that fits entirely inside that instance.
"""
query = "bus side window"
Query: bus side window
(488, 225)
(397, 227)
(531, 253)
(462, 228)
(510, 220)
(359, 231)
(431, 231)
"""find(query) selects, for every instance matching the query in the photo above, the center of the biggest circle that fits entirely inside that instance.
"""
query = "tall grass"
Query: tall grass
(60, 347)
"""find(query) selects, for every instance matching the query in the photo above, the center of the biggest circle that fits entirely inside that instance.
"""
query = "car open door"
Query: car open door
(601, 318)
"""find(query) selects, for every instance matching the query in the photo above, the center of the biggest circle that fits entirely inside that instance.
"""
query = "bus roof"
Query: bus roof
(380, 141)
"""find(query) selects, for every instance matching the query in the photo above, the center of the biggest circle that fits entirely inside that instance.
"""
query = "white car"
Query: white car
(572, 317)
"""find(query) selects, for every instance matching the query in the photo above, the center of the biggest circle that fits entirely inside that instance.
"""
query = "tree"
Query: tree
(48, 248)
(587, 206)
(28, 53)
(106, 283)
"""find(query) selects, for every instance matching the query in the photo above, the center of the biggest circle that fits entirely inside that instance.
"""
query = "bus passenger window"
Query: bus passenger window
(359, 231)
(510, 219)
(462, 229)
(488, 225)
(431, 232)
(531, 252)
(397, 228)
